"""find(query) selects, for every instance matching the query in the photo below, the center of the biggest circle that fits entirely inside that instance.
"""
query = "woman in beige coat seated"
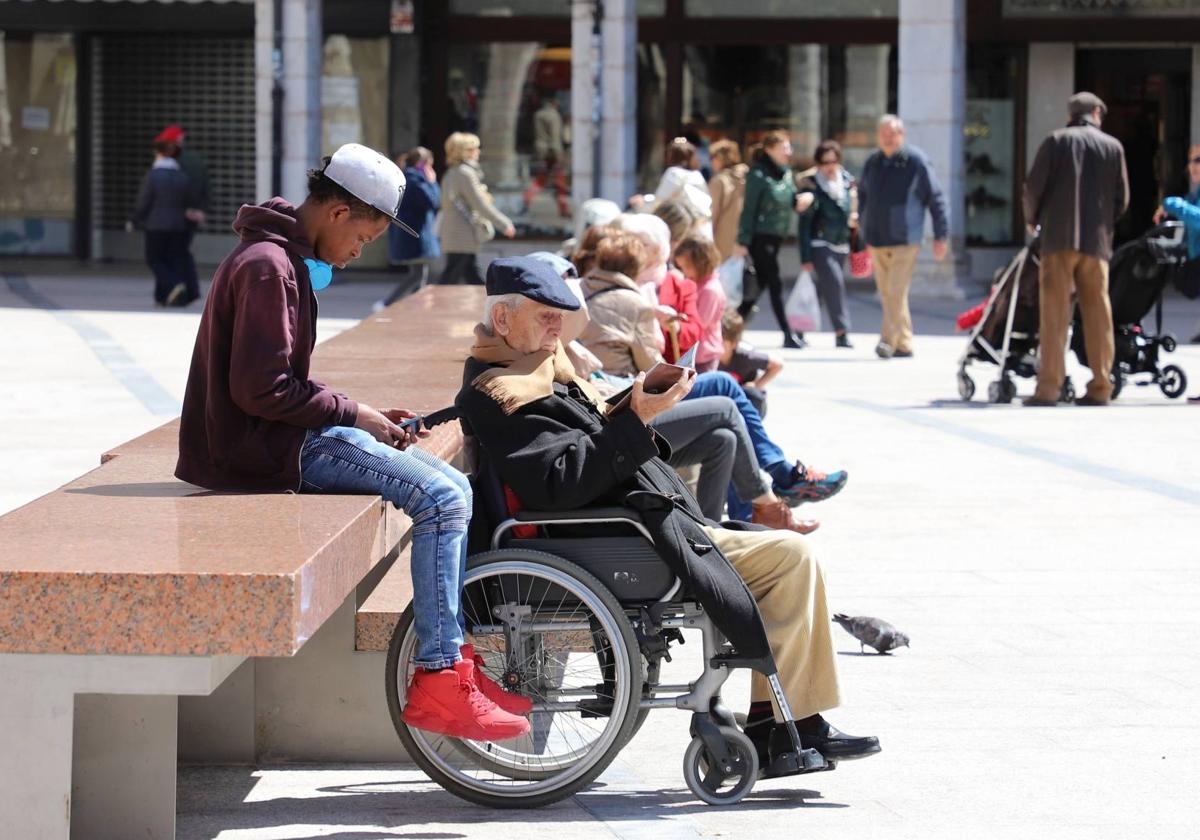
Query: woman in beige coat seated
(469, 216)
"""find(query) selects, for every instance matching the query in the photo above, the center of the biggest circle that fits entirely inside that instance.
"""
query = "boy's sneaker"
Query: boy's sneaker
(884, 350)
(450, 703)
(514, 704)
(809, 485)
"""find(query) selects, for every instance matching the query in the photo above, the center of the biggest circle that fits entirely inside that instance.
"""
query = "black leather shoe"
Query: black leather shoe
(902, 354)
(794, 341)
(1086, 400)
(843, 340)
(838, 746)
(1038, 402)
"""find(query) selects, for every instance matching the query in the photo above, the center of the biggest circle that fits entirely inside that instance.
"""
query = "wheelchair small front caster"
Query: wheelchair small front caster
(721, 782)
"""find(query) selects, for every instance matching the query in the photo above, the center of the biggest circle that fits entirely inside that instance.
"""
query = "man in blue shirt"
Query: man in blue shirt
(895, 191)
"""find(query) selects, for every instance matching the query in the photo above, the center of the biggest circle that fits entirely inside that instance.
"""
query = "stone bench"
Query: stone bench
(144, 621)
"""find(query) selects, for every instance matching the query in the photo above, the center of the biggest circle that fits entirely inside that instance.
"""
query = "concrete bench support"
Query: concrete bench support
(326, 703)
(121, 783)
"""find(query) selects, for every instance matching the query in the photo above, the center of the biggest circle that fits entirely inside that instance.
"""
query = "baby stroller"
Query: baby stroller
(1007, 333)
(1138, 276)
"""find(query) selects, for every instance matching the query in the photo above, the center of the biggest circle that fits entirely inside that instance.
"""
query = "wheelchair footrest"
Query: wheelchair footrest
(794, 764)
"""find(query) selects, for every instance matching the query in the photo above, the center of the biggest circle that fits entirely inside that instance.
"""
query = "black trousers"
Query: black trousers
(461, 269)
(167, 255)
(764, 254)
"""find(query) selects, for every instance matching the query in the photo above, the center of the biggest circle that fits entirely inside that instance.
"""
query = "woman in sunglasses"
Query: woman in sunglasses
(825, 229)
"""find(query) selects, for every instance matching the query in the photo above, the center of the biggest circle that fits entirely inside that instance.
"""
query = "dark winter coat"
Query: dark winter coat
(1076, 190)
(164, 198)
(770, 201)
(559, 453)
(418, 210)
(827, 219)
(893, 195)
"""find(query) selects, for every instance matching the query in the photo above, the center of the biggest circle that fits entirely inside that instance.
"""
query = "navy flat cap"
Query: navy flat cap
(531, 278)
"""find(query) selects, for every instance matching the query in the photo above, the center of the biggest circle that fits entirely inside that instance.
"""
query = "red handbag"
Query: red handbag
(861, 264)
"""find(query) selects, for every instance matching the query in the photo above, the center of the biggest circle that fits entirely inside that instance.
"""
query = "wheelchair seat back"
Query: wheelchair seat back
(616, 553)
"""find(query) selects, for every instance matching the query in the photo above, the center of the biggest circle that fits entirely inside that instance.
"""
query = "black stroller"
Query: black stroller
(1139, 273)
(1006, 335)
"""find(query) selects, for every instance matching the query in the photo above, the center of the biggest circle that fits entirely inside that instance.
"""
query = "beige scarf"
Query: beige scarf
(524, 378)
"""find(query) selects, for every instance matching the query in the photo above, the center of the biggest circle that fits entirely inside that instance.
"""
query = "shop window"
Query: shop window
(651, 115)
(37, 143)
(354, 93)
(517, 97)
(793, 8)
(992, 171)
(811, 91)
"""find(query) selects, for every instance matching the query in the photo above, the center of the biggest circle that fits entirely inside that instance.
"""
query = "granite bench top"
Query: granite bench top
(128, 560)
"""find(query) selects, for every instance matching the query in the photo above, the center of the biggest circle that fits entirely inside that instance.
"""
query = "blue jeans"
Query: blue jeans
(339, 459)
(721, 384)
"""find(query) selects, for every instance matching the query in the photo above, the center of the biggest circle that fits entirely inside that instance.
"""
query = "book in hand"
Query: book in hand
(659, 379)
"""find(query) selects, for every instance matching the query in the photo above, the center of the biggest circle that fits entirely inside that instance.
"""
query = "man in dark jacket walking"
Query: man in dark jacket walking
(254, 421)
(1076, 191)
(896, 189)
(554, 444)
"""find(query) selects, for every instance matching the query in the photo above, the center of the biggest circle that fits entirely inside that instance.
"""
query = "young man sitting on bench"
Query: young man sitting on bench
(253, 420)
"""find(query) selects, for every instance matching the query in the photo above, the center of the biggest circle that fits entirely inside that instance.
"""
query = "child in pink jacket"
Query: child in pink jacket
(698, 259)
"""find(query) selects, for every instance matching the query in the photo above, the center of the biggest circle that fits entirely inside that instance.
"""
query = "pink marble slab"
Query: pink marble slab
(128, 560)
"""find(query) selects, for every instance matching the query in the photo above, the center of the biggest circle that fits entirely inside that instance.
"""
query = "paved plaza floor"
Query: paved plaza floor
(1045, 562)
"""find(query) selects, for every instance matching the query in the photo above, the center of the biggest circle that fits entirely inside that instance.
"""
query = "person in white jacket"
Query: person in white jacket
(683, 184)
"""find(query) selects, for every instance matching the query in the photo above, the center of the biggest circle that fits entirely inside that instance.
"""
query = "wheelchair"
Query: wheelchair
(578, 616)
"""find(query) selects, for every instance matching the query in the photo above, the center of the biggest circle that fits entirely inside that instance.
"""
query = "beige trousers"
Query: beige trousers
(786, 581)
(1089, 276)
(893, 275)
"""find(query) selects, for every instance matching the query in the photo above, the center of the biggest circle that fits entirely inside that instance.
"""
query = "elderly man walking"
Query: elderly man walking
(896, 189)
(1076, 191)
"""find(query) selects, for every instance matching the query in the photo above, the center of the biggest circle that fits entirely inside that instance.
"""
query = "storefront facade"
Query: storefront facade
(85, 85)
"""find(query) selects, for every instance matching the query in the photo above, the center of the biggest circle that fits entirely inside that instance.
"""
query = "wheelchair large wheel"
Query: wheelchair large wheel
(552, 631)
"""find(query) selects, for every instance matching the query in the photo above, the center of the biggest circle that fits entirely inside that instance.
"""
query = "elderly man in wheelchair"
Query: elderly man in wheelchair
(599, 557)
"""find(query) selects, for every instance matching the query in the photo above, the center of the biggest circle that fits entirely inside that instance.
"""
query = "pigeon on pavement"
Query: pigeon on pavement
(874, 632)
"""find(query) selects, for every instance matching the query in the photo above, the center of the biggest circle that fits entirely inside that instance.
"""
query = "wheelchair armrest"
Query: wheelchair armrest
(602, 514)
(583, 516)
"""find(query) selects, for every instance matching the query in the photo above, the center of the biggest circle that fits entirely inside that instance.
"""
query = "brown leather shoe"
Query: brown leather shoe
(1086, 400)
(778, 515)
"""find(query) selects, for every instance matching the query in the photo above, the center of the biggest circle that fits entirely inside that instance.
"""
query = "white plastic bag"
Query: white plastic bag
(803, 308)
(730, 273)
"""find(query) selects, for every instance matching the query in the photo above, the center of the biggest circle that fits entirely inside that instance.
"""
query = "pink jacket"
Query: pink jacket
(710, 305)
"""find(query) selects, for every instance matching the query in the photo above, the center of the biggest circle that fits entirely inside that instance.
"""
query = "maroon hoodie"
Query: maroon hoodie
(249, 402)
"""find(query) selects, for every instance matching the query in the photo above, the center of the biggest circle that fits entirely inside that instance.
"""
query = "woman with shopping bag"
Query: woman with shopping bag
(825, 231)
(728, 189)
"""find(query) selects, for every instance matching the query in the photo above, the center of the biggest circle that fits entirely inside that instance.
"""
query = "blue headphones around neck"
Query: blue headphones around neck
(320, 274)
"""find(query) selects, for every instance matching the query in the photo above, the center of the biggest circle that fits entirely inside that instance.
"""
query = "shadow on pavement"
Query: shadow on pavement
(212, 800)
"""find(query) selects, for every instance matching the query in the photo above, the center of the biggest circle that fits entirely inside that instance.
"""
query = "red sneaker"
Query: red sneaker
(449, 702)
(511, 702)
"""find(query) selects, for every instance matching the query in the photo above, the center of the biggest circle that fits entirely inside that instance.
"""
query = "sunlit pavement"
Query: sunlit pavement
(1044, 562)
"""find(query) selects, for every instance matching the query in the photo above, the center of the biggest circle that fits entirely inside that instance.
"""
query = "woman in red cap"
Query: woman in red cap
(164, 199)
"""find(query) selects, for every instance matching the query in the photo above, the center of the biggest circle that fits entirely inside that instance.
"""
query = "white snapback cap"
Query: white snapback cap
(371, 178)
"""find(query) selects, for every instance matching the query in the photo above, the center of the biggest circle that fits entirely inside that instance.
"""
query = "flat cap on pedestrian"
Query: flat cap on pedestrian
(530, 278)
(1084, 102)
